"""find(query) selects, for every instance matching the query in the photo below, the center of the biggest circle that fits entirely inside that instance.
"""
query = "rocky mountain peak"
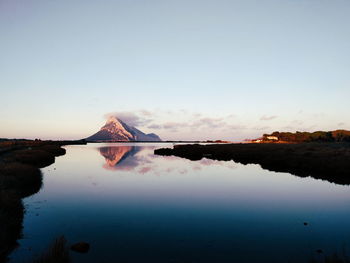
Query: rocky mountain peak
(117, 130)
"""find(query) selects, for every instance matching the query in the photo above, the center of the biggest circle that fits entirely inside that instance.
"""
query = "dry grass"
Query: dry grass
(35, 157)
(57, 253)
(23, 179)
(54, 149)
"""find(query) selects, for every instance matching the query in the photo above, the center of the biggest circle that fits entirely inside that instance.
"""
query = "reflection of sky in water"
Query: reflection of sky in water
(134, 206)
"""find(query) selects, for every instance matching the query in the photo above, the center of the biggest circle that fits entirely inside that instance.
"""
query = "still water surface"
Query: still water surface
(134, 206)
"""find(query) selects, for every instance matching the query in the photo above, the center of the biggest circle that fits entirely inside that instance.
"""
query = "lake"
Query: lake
(134, 206)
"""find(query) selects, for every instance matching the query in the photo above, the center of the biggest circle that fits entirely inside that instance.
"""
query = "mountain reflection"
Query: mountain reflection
(120, 157)
(141, 160)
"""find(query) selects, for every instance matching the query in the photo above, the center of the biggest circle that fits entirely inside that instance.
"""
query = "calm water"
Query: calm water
(133, 206)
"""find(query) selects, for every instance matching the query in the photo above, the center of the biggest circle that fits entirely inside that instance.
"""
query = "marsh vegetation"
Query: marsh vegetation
(20, 177)
(327, 161)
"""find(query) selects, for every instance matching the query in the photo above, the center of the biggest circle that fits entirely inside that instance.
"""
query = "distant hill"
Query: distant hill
(318, 136)
(117, 130)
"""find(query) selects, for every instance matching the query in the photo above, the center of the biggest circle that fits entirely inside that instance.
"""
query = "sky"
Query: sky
(184, 69)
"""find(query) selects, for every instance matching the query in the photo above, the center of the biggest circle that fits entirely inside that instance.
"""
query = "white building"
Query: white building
(272, 138)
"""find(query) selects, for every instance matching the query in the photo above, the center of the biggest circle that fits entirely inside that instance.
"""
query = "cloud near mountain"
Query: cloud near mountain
(137, 119)
(151, 120)
(180, 124)
(189, 125)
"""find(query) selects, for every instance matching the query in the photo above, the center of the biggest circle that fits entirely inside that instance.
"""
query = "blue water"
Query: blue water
(133, 206)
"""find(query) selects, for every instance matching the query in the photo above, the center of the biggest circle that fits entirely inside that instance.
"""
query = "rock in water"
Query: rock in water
(81, 247)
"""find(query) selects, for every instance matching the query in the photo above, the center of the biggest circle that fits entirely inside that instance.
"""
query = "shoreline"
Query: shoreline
(20, 177)
(11, 206)
(326, 161)
(202, 142)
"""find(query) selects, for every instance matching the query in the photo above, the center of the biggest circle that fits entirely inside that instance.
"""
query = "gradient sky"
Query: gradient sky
(193, 69)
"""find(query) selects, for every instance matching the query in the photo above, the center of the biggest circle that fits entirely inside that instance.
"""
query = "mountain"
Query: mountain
(117, 130)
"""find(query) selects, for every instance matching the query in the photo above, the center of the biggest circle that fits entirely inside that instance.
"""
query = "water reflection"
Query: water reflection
(142, 160)
(26, 182)
(127, 203)
(120, 157)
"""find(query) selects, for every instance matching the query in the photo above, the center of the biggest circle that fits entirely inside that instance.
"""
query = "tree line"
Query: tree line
(318, 136)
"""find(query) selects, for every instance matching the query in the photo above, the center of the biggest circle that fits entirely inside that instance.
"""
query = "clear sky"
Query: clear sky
(192, 69)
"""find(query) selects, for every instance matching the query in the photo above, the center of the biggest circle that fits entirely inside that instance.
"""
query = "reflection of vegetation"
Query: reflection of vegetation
(20, 177)
(330, 259)
(16, 182)
(329, 161)
(11, 216)
(57, 253)
(319, 136)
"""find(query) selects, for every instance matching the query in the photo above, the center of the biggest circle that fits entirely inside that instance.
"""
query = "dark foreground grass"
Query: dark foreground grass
(21, 177)
(11, 217)
(56, 150)
(17, 181)
(35, 157)
(58, 252)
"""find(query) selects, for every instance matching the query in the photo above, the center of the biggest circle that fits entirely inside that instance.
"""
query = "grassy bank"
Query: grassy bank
(327, 161)
(20, 177)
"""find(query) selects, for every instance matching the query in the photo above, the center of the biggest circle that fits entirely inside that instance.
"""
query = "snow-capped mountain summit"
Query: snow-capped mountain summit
(117, 130)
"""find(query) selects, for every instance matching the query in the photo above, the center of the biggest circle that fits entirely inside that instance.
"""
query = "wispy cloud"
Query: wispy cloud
(297, 123)
(154, 126)
(194, 123)
(136, 118)
(186, 124)
(262, 128)
(268, 118)
(180, 120)
(146, 113)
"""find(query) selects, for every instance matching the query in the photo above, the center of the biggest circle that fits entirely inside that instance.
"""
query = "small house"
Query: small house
(272, 138)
